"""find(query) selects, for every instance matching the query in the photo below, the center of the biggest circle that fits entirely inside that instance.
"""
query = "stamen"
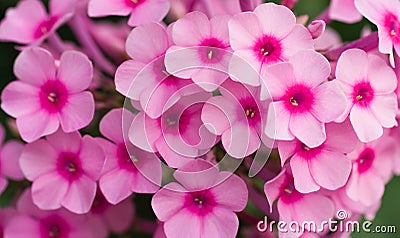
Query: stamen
(293, 102)
(198, 201)
(210, 55)
(306, 148)
(265, 53)
(52, 97)
(43, 29)
(171, 122)
(71, 167)
(165, 73)
(133, 158)
(134, 1)
(287, 190)
(250, 113)
(393, 32)
(359, 97)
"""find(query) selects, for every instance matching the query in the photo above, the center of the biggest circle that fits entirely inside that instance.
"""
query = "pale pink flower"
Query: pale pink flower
(67, 162)
(369, 85)
(385, 15)
(303, 101)
(144, 78)
(344, 11)
(127, 168)
(105, 218)
(47, 96)
(140, 11)
(29, 23)
(202, 50)
(203, 204)
(9, 160)
(372, 169)
(30, 221)
(237, 116)
(325, 166)
(178, 135)
(295, 206)
(316, 28)
(264, 37)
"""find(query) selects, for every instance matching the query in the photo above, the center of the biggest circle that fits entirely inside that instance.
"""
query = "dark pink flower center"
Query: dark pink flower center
(363, 93)
(392, 26)
(54, 227)
(289, 193)
(69, 165)
(250, 109)
(268, 49)
(45, 27)
(309, 153)
(212, 50)
(365, 159)
(53, 96)
(298, 98)
(125, 160)
(200, 203)
(133, 3)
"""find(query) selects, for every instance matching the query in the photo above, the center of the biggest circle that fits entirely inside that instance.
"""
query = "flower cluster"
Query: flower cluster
(222, 111)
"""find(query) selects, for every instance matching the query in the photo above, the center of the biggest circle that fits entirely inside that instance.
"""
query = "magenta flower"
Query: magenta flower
(178, 135)
(295, 206)
(385, 15)
(344, 11)
(9, 160)
(371, 101)
(127, 169)
(265, 37)
(65, 161)
(144, 78)
(47, 96)
(30, 221)
(141, 11)
(202, 50)
(372, 168)
(303, 102)
(203, 205)
(105, 218)
(237, 116)
(325, 166)
(28, 22)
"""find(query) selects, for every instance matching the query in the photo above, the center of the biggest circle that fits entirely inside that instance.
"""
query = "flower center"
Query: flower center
(133, 3)
(268, 49)
(298, 98)
(363, 93)
(45, 27)
(53, 96)
(365, 159)
(125, 160)
(200, 202)
(211, 50)
(54, 231)
(392, 26)
(68, 165)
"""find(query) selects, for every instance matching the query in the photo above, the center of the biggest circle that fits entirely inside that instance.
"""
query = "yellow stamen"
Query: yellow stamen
(265, 53)
(133, 158)
(359, 97)
(210, 54)
(52, 97)
(293, 102)
(134, 1)
(43, 29)
(306, 148)
(287, 190)
(392, 32)
(198, 201)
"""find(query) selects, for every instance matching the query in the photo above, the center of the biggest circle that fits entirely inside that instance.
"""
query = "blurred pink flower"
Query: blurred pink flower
(178, 135)
(264, 37)
(28, 22)
(202, 50)
(127, 169)
(30, 221)
(295, 206)
(325, 166)
(144, 78)
(105, 218)
(203, 204)
(369, 84)
(237, 116)
(344, 11)
(68, 162)
(372, 168)
(140, 11)
(9, 160)
(47, 96)
(303, 101)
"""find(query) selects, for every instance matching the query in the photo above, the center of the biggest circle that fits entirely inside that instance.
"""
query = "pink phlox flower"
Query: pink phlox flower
(29, 23)
(65, 161)
(302, 99)
(369, 85)
(47, 96)
(203, 204)
(344, 11)
(127, 168)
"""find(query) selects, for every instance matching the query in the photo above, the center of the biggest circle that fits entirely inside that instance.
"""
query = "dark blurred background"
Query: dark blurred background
(390, 209)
